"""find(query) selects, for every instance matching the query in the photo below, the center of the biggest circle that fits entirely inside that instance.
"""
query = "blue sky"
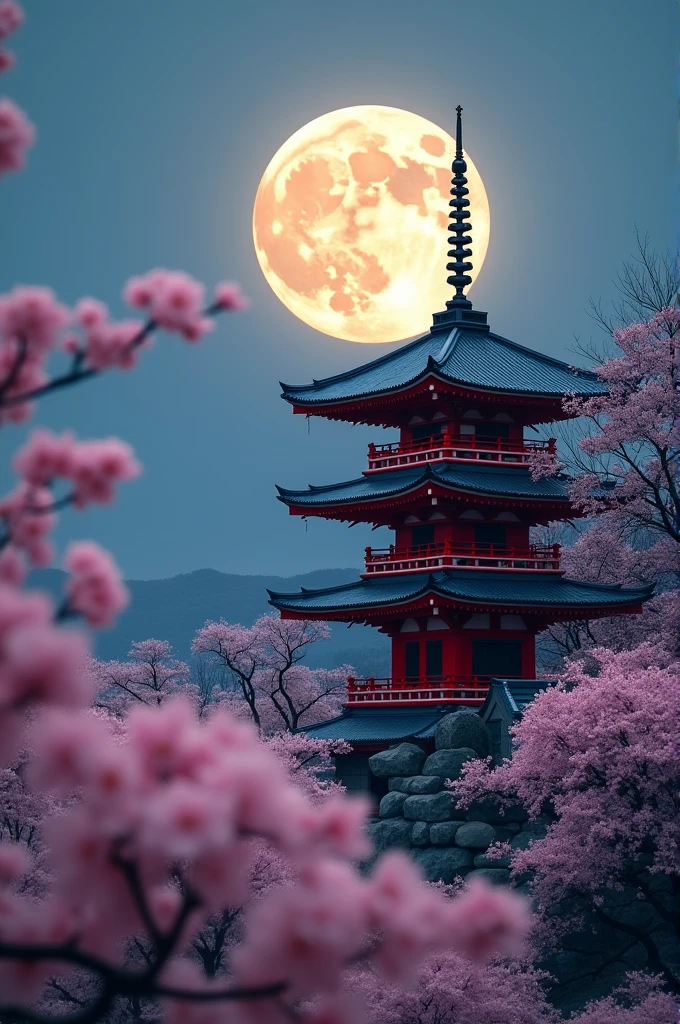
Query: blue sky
(156, 120)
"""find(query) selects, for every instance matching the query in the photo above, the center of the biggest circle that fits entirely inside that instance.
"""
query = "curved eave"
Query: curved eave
(405, 596)
(433, 366)
(325, 499)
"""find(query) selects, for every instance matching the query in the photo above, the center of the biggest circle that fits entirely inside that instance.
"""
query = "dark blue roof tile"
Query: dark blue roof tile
(517, 483)
(372, 726)
(461, 356)
(465, 586)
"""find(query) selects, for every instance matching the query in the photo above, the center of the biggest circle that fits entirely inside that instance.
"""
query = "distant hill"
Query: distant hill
(173, 609)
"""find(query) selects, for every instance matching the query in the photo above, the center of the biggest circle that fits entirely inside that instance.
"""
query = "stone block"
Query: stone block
(444, 832)
(497, 876)
(389, 833)
(404, 759)
(391, 805)
(430, 807)
(483, 860)
(443, 865)
(475, 835)
(397, 785)
(421, 834)
(421, 784)
(463, 728)
(448, 763)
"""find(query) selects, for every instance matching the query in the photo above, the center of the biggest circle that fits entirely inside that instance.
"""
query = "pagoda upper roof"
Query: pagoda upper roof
(476, 479)
(467, 355)
(468, 588)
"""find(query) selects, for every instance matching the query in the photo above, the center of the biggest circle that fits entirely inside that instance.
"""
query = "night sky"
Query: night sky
(156, 119)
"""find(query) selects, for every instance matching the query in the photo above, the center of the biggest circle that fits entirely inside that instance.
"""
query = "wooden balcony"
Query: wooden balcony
(449, 555)
(454, 448)
(468, 690)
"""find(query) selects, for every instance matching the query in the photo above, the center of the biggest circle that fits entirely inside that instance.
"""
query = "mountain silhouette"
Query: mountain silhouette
(173, 609)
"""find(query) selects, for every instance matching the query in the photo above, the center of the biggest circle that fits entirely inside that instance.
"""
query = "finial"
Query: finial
(460, 225)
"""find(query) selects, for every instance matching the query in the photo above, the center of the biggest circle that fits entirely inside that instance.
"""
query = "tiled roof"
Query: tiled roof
(373, 726)
(516, 483)
(515, 693)
(466, 586)
(463, 355)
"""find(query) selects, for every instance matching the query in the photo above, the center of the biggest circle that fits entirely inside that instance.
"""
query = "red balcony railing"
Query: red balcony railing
(449, 555)
(455, 448)
(471, 690)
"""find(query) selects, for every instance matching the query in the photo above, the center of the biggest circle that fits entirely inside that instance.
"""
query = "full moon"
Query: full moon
(350, 222)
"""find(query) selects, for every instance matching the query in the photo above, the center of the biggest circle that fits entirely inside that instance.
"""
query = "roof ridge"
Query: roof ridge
(448, 346)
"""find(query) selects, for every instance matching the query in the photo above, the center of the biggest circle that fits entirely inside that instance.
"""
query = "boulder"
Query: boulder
(430, 807)
(421, 834)
(448, 763)
(391, 805)
(483, 860)
(404, 759)
(529, 834)
(475, 835)
(397, 785)
(497, 876)
(389, 833)
(463, 728)
(489, 810)
(420, 784)
(443, 865)
(444, 832)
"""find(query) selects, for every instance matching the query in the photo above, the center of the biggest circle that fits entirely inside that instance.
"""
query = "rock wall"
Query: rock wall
(420, 814)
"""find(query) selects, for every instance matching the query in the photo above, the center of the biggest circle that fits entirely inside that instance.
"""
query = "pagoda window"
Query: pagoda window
(493, 431)
(422, 535)
(480, 621)
(497, 658)
(433, 658)
(422, 432)
(412, 660)
(490, 533)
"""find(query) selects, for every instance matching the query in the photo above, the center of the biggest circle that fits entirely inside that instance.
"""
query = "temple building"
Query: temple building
(462, 591)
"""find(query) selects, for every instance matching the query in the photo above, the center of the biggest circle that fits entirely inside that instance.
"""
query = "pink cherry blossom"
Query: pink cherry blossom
(17, 135)
(228, 295)
(31, 313)
(11, 18)
(487, 921)
(95, 589)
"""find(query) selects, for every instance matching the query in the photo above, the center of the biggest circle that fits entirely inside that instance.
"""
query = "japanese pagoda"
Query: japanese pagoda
(462, 591)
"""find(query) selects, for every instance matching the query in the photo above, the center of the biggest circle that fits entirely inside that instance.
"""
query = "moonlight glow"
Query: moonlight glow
(350, 222)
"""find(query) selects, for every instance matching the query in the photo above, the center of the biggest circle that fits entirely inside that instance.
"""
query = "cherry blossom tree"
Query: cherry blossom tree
(624, 451)
(151, 676)
(453, 989)
(264, 662)
(598, 754)
(602, 554)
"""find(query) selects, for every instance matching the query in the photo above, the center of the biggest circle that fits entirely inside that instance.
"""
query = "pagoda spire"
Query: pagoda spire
(459, 226)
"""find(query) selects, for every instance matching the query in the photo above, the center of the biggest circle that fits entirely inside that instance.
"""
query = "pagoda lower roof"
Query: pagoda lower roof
(475, 479)
(370, 725)
(469, 356)
(461, 587)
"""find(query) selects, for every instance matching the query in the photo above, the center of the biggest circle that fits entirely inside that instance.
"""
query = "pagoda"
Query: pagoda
(462, 591)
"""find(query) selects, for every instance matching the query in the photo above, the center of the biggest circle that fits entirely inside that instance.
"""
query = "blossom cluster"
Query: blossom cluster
(34, 324)
(90, 469)
(158, 831)
(17, 134)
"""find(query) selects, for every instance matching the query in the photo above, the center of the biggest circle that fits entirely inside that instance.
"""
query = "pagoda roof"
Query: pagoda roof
(514, 694)
(469, 356)
(476, 479)
(504, 589)
(370, 725)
